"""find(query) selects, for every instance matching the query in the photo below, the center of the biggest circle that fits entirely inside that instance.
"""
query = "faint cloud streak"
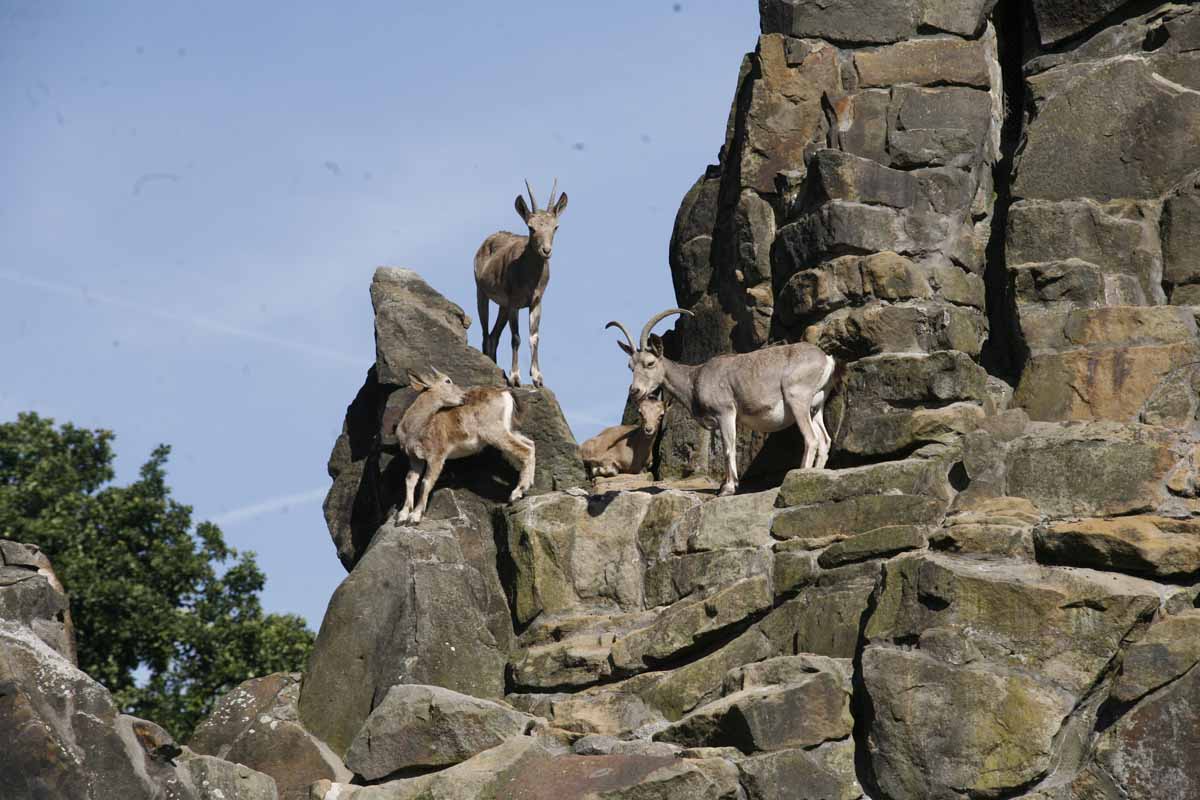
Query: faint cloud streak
(271, 505)
(151, 177)
(203, 323)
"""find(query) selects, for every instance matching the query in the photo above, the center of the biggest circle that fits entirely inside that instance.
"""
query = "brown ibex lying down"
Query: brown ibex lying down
(767, 390)
(512, 271)
(446, 422)
(624, 449)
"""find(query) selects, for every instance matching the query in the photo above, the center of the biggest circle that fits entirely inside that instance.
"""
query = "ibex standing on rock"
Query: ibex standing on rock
(446, 422)
(767, 390)
(624, 449)
(512, 271)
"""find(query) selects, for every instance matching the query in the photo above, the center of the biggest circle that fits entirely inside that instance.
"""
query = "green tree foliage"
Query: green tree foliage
(146, 589)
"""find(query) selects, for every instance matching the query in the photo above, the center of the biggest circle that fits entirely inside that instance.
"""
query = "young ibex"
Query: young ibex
(624, 449)
(767, 391)
(512, 271)
(446, 422)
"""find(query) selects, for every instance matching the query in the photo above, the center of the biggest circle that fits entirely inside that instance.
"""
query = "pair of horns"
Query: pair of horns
(657, 318)
(533, 200)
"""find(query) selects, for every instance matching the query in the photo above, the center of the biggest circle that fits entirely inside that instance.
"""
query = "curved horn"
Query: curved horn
(657, 318)
(532, 199)
(550, 202)
(620, 327)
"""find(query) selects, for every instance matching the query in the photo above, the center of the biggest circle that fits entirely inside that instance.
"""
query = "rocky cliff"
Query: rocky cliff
(990, 212)
(63, 735)
(987, 211)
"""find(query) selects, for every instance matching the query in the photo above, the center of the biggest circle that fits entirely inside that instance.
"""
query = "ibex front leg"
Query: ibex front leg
(728, 424)
(535, 322)
(432, 472)
(514, 317)
(410, 484)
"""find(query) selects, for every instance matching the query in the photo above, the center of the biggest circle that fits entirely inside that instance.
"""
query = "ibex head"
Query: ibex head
(438, 386)
(652, 409)
(542, 223)
(646, 361)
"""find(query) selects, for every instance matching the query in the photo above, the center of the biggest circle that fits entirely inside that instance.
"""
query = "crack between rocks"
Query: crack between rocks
(1120, 709)
(1001, 352)
(861, 707)
(1095, 696)
(1122, 14)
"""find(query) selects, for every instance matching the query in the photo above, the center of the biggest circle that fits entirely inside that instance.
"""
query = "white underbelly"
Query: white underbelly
(465, 449)
(775, 418)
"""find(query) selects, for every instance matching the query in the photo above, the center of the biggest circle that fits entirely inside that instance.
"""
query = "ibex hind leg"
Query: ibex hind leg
(727, 422)
(825, 441)
(494, 336)
(527, 453)
(481, 299)
(518, 449)
(801, 402)
(433, 471)
(410, 483)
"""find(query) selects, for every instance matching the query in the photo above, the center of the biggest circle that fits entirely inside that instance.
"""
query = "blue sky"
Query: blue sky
(195, 196)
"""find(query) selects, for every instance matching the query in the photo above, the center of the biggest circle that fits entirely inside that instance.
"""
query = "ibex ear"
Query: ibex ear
(561, 205)
(522, 209)
(655, 345)
(628, 350)
(418, 382)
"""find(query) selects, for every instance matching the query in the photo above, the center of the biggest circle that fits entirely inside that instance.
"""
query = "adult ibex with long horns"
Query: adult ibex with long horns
(767, 390)
(512, 271)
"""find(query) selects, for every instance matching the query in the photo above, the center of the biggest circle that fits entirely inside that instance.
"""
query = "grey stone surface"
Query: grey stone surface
(257, 724)
(414, 610)
(422, 727)
(66, 738)
(30, 593)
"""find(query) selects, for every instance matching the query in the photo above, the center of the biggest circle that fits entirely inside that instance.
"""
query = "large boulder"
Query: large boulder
(966, 696)
(1071, 118)
(1061, 19)
(257, 724)
(1147, 747)
(1151, 546)
(30, 593)
(822, 773)
(1106, 363)
(528, 768)
(1094, 469)
(66, 738)
(420, 607)
(803, 712)
(426, 727)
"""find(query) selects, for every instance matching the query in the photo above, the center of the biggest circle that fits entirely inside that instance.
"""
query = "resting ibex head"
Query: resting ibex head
(646, 361)
(652, 409)
(542, 222)
(437, 385)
